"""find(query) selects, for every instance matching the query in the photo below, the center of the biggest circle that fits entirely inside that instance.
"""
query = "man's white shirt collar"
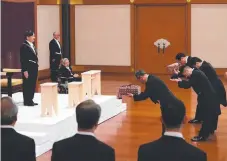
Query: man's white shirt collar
(86, 133)
(202, 62)
(174, 134)
(31, 44)
(7, 126)
(186, 59)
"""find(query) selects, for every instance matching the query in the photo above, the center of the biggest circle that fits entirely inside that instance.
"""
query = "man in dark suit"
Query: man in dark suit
(15, 146)
(55, 55)
(171, 146)
(66, 71)
(84, 146)
(182, 59)
(210, 105)
(29, 65)
(156, 90)
(211, 74)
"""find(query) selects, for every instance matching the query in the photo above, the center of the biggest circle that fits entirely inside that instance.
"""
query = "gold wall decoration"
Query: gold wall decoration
(76, 2)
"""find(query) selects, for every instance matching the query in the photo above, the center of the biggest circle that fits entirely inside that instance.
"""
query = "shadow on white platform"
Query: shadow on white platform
(46, 130)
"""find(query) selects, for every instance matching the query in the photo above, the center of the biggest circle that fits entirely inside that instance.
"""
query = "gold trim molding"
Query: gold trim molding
(76, 2)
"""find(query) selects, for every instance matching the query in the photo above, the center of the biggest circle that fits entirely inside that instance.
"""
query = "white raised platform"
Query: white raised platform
(46, 130)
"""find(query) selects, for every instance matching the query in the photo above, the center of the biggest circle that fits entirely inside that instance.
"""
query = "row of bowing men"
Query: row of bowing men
(192, 72)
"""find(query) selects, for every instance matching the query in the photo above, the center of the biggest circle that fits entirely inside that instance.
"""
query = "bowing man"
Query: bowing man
(210, 72)
(182, 59)
(29, 65)
(208, 100)
(156, 90)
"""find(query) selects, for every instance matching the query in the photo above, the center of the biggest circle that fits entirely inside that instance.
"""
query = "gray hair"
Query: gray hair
(9, 111)
(64, 60)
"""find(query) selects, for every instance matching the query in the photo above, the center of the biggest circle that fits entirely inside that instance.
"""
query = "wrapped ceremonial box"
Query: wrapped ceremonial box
(125, 89)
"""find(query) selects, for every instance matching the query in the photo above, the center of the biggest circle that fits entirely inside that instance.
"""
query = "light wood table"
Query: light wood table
(49, 99)
(91, 83)
(10, 85)
(75, 93)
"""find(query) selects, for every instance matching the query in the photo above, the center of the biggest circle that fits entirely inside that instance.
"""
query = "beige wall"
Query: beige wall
(209, 33)
(48, 21)
(102, 35)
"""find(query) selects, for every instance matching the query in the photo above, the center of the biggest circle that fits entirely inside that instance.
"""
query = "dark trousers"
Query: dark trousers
(210, 119)
(29, 84)
(54, 66)
(209, 125)
(53, 75)
(199, 109)
(215, 123)
(220, 90)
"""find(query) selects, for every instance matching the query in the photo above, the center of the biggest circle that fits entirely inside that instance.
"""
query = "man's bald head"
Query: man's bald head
(56, 35)
(9, 111)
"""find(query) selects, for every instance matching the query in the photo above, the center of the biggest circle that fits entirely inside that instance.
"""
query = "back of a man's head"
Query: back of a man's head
(183, 69)
(173, 115)
(194, 60)
(179, 56)
(87, 115)
(140, 73)
(8, 111)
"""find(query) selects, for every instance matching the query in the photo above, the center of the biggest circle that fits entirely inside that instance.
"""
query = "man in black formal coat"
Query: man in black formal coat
(156, 90)
(55, 56)
(84, 146)
(15, 146)
(171, 146)
(66, 71)
(210, 105)
(211, 74)
(29, 65)
(182, 59)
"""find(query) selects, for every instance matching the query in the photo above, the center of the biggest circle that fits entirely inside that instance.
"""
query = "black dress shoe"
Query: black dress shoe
(35, 104)
(194, 121)
(212, 132)
(29, 104)
(198, 138)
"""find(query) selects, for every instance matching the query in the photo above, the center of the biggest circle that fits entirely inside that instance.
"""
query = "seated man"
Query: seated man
(15, 146)
(84, 146)
(66, 71)
(171, 146)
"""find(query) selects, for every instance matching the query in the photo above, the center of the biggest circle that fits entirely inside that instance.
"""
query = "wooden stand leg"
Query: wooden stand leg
(55, 100)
